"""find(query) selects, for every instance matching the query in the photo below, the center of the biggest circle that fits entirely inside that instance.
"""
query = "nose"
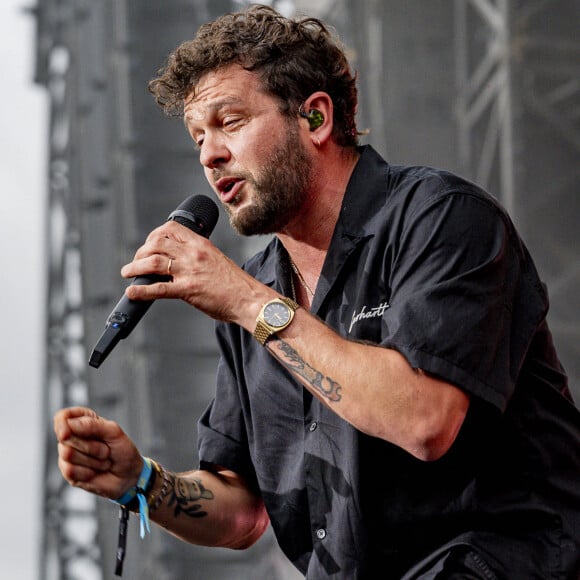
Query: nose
(214, 151)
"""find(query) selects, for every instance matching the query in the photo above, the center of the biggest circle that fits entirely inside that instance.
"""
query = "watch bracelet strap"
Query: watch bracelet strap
(262, 332)
(289, 302)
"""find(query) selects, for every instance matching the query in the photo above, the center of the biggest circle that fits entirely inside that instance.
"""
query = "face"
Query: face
(252, 155)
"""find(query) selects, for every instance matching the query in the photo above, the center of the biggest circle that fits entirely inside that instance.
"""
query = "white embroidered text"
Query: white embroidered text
(364, 313)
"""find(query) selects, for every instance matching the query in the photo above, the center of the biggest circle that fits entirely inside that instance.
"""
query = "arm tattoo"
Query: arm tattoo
(328, 388)
(186, 495)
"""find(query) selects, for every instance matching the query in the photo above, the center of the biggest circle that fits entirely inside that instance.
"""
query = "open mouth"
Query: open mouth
(228, 187)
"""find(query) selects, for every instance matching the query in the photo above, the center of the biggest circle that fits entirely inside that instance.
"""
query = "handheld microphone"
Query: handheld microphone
(200, 214)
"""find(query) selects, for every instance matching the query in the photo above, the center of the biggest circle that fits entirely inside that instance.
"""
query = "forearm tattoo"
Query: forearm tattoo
(328, 388)
(185, 496)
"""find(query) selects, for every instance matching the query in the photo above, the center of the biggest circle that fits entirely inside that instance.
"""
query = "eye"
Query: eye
(230, 121)
(198, 142)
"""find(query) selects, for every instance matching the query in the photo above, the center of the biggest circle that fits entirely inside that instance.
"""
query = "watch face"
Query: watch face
(277, 314)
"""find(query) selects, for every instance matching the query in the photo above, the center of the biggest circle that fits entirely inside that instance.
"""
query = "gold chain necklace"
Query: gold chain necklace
(301, 278)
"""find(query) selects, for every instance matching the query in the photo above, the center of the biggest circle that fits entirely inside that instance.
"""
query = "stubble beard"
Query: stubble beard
(279, 190)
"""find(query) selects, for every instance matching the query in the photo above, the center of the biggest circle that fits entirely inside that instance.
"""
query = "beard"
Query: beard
(280, 189)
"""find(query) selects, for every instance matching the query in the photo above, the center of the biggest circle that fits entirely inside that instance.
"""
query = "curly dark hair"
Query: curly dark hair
(293, 58)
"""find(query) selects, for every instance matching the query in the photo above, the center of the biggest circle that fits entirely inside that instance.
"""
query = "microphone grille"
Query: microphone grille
(200, 209)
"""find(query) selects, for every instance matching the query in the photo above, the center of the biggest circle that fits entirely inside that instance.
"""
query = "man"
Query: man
(388, 395)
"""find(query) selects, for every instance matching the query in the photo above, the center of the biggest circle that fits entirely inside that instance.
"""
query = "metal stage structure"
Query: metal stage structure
(487, 88)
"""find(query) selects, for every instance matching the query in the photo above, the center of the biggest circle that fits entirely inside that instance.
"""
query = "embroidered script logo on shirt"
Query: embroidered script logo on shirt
(364, 313)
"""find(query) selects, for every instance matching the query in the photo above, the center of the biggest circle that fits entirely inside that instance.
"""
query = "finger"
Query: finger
(152, 291)
(164, 237)
(90, 447)
(75, 473)
(75, 456)
(88, 479)
(170, 230)
(95, 427)
(167, 239)
(61, 417)
(77, 411)
(145, 265)
(158, 235)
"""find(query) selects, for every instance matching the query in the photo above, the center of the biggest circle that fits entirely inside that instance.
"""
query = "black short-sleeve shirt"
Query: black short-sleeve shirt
(426, 263)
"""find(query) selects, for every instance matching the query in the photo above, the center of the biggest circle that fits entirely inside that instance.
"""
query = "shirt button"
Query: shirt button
(321, 533)
(313, 426)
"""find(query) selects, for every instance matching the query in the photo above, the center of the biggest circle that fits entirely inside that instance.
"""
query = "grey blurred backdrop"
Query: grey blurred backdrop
(487, 88)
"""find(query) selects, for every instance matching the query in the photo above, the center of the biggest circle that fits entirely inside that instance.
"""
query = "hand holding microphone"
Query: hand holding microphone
(198, 213)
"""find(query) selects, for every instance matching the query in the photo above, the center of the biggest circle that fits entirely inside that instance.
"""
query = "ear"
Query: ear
(318, 110)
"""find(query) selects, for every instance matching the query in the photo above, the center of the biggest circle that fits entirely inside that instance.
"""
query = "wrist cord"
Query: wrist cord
(138, 491)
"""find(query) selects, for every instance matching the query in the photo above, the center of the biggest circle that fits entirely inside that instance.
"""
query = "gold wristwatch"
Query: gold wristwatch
(274, 316)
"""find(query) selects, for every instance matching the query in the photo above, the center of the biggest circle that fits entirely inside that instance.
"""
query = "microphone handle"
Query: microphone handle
(199, 214)
(127, 312)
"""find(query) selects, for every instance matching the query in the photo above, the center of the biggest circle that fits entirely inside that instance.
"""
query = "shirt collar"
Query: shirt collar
(360, 203)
